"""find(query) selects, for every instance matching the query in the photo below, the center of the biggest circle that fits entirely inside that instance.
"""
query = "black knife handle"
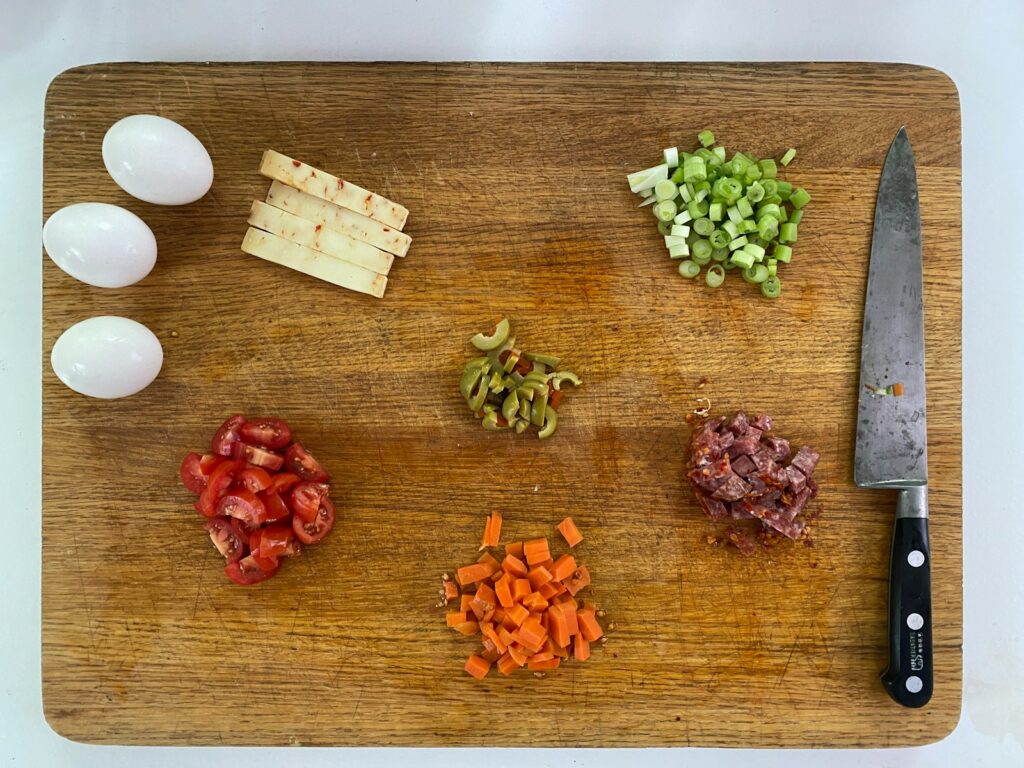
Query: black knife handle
(908, 678)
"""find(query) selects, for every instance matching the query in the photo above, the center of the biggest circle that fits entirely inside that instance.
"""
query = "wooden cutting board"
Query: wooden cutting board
(515, 176)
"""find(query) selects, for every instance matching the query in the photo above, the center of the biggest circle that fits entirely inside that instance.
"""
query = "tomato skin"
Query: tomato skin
(301, 462)
(276, 507)
(255, 479)
(274, 540)
(227, 435)
(226, 538)
(312, 532)
(209, 462)
(244, 505)
(258, 457)
(282, 482)
(247, 571)
(191, 473)
(305, 498)
(269, 433)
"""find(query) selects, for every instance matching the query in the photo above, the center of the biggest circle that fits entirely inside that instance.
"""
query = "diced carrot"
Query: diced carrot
(518, 614)
(589, 627)
(485, 596)
(549, 591)
(507, 665)
(572, 624)
(539, 665)
(487, 533)
(503, 591)
(542, 618)
(544, 655)
(490, 654)
(569, 531)
(455, 618)
(579, 579)
(557, 625)
(539, 575)
(478, 610)
(548, 564)
(490, 634)
(535, 602)
(558, 650)
(469, 574)
(580, 648)
(564, 597)
(520, 589)
(492, 531)
(515, 566)
(897, 389)
(514, 548)
(451, 590)
(498, 616)
(506, 636)
(518, 653)
(488, 616)
(532, 634)
(469, 628)
(536, 551)
(491, 562)
(465, 602)
(564, 567)
(478, 667)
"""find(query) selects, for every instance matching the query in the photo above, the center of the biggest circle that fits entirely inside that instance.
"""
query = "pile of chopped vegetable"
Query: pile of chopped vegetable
(524, 607)
(723, 213)
(511, 389)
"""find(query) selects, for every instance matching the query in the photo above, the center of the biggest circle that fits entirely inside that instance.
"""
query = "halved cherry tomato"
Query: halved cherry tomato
(216, 486)
(226, 539)
(312, 532)
(244, 505)
(227, 435)
(305, 499)
(269, 433)
(192, 474)
(276, 508)
(209, 462)
(302, 463)
(247, 571)
(258, 457)
(282, 481)
(274, 540)
(255, 479)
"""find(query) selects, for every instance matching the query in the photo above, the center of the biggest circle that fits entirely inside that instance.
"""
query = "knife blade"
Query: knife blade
(891, 447)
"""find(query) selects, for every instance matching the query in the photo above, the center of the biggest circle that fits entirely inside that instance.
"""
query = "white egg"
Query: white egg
(99, 244)
(157, 160)
(107, 357)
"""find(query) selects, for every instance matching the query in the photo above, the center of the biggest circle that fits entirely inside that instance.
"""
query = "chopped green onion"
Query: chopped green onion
(773, 267)
(706, 138)
(797, 215)
(731, 229)
(680, 230)
(783, 216)
(753, 173)
(748, 226)
(720, 254)
(738, 243)
(799, 198)
(716, 211)
(666, 210)
(677, 176)
(679, 251)
(784, 190)
(771, 288)
(728, 265)
(688, 269)
(694, 169)
(787, 233)
(783, 253)
(756, 273)
(665, 190)
(701, 250)
(738, 165)
(647, 178)
(686, 192)
(719, 238)
(768, 169)
(719, 152)
(671, 240)
(787, 158)
(741, 259)
(700, 195)
(734, 214)
(665, 227)
(754, 193)
(715, 276)
(697, 208)
(754, 250)
(682, 217)
(671, 157)
(703, 227)
(770, 186)
(743, 206)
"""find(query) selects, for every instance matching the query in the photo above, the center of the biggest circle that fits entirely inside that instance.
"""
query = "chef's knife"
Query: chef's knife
(892, 446)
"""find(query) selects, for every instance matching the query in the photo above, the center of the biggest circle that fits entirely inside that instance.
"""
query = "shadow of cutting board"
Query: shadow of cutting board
(514, 174)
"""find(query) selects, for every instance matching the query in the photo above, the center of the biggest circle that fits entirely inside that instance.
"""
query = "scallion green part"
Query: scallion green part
(797, 216)
(743, 206)
(799, 198)
(706, 138)
(738, 243)
(694, 169)
(768, 169)
(665, 227)
(787, 233)
(666, 210)
(787, 158)
(701, 250)
(720, 254)
(741, 259)
(665, 190)
(703, 227)
(782, 254)
(756, 273)
(719, 238)
(771, 288)
(716, 211)
(688, 269)
(715, 276)
(671, 155)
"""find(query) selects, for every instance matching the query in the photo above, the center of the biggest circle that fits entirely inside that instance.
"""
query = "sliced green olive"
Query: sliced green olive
(548, 360)
(565, 376)
(521, 426)
(510, 407)
(550, 424)
(478, 396)
(524, 409)
(495, 340)
(540, 404)
(491, 421)
(470, 378)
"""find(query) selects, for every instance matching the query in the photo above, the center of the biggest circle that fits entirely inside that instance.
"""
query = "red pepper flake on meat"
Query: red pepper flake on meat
(296, 163)
(741, 471)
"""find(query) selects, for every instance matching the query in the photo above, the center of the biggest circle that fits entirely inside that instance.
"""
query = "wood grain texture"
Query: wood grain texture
(514, 176)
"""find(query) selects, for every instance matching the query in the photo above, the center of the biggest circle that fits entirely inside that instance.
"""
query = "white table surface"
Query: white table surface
(979, 44)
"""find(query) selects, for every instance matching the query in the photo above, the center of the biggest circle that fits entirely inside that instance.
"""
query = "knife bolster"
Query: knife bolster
(912, 502)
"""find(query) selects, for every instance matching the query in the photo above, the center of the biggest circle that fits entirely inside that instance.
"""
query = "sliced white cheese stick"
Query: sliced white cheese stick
(327, 187)
(339, 219)
(320, 265)
(318, 237)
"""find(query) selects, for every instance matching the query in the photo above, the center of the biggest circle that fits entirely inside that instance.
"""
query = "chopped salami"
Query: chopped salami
(739, 472)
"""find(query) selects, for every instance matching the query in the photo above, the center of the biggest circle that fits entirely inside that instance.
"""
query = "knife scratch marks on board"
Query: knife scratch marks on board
(199, 591)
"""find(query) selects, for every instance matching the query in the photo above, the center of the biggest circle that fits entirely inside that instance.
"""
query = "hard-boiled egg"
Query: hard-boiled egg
(107, 357)
(157, 160)
(100, 244)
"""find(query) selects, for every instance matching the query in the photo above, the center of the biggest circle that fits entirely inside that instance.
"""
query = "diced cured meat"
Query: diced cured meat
(806, 460)
(743, 466)
(732, 489)
(738, 472)
(777, 447)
